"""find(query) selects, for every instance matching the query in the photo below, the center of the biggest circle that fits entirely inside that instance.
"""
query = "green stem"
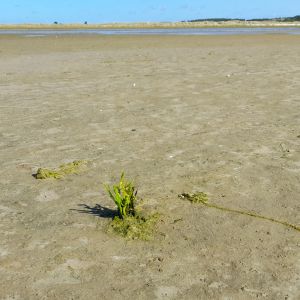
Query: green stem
(251, 215)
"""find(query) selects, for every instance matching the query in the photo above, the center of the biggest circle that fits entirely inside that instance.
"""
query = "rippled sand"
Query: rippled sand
(178, 114)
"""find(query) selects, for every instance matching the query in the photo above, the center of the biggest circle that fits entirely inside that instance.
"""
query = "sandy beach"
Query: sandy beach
(151, 25)
(218, 114)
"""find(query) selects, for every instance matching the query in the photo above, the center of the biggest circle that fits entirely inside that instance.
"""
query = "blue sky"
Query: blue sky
(98, 11)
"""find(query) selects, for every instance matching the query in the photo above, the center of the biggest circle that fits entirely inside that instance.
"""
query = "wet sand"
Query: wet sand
(178, 114)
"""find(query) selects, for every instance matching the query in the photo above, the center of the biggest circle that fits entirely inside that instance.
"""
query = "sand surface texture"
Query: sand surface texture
(178, 114)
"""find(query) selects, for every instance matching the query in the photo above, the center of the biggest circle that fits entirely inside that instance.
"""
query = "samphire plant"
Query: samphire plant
(131, 222)
(124, 195)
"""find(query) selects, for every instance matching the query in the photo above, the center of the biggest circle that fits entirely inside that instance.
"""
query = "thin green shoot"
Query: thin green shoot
(202, 198)
(124, 195)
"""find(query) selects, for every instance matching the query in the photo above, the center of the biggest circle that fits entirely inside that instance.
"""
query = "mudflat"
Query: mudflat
(178, 114)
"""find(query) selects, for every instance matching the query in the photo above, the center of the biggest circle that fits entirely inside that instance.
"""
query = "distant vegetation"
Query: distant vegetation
(214, 20)
(283, 19)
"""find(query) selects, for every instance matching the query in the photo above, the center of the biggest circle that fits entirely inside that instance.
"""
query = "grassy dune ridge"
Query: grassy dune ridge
(203, 24)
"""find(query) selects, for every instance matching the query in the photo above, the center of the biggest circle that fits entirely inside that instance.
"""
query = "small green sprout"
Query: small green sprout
(131, 223)
(124, 196)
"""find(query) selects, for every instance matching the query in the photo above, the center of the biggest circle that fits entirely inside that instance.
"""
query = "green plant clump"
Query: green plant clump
(124, 196)
(135, 227)
(64, 169)
(129, 224)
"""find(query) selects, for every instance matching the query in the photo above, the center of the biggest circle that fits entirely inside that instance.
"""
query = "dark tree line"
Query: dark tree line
(283, 19)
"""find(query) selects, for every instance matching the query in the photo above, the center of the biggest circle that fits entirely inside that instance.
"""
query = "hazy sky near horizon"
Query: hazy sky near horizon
(98, 11)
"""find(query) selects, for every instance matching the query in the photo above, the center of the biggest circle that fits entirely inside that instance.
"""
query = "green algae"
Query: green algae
(43, 173)
(198, 197)
(63, 170)
(134, 227)
(72, 167)
(202, 198)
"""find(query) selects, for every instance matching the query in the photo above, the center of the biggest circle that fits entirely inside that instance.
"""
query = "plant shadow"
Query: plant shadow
(97, 210)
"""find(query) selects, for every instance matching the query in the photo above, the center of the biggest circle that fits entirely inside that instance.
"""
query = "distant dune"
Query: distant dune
(187, 24)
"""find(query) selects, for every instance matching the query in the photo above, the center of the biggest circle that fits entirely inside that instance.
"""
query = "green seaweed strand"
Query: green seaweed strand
(203, 199)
